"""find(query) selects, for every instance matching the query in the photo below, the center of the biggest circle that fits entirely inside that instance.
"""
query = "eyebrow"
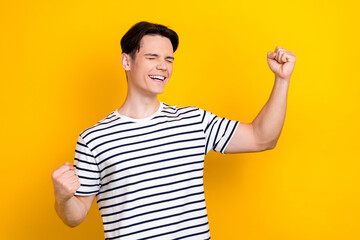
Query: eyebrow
(156, 55)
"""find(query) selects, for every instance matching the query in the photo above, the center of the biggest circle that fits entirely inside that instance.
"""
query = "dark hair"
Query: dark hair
(130, 42)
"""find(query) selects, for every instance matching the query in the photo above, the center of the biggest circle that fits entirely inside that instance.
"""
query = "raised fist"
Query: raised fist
(65, 181)
(281, 62)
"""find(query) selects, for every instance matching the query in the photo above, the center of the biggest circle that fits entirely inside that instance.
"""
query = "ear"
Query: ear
(126, 61)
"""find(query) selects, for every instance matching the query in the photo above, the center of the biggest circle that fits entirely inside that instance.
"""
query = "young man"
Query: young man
(144, 161)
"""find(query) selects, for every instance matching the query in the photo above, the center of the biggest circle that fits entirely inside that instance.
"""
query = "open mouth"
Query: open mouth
(157, 77)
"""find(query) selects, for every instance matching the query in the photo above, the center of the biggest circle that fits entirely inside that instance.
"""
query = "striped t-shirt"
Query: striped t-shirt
(147, 173)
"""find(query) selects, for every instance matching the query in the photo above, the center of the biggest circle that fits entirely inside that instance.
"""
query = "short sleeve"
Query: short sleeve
(218, 131)
(87, 169)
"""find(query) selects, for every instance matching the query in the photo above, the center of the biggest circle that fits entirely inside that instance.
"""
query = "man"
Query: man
(144, 161)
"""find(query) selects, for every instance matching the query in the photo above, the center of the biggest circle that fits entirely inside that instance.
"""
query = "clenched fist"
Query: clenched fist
(65, 181)
(281, 62)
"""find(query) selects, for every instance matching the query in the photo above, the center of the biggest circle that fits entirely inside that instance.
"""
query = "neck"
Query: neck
(139, 106)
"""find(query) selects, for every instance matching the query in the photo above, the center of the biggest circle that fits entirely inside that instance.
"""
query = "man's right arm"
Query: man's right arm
(70, 208)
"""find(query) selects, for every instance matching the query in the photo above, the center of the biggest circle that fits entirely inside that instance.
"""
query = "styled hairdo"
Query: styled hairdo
(130, 42)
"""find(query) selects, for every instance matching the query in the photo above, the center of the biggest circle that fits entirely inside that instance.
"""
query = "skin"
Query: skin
(155, 57)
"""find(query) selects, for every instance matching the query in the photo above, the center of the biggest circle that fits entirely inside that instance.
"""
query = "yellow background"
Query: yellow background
(61, 73)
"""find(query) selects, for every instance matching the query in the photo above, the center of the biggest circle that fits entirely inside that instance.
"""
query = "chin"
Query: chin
(157, 93)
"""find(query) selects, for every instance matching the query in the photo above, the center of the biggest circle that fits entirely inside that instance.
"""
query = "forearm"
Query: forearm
(269, 122)
(72, 212)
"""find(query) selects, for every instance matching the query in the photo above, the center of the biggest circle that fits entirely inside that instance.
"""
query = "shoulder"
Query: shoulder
(106, 122)
(174, 109)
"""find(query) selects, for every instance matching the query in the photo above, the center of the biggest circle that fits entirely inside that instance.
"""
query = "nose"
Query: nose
(161, 65)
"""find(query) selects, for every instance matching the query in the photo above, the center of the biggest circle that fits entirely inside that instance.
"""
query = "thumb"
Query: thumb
(68, 164)
(271, 55)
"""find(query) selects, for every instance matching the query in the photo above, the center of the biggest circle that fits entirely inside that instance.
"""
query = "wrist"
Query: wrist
(282, 79)
(283, 82)
(62, 200)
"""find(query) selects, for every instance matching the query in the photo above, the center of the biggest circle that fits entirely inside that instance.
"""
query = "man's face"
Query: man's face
(152, 67)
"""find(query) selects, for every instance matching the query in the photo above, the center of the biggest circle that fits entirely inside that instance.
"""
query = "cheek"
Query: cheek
(170, 69)
(142, 66)
(141, 71)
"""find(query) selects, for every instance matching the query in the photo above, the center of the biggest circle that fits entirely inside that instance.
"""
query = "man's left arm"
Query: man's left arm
(263, 133)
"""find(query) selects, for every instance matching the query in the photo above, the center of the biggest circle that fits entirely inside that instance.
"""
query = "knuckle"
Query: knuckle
(55, 173)
(68, 188)
(76, 187)
(56, 181)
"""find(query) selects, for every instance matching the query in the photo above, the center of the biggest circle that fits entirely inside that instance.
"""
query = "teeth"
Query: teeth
(157, 77)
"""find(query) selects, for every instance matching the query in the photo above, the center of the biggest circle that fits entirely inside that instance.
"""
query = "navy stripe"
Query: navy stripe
(143, 156)
(151, 187)
(169, 107)
(199, 225)
(83, 153)
(166, 225)
(89, 178)
(211, 122)
(156, 219)
(151, 179)
(208, 140)
(92, 192)
(179, 109)
(152, 195)
(202, 120)
(176, 110)
(97, 126)
(159, 210)
(86, 162)
(163, 160)
(144, 127)
(110, 116)
(217, 132)
(81, 144)
(158, 169)
(146, 205)
(100, 129)
(133, 143)
(87, 170)
(176, 116)
(137, 135)
(225, 131)
(90, 185)
(146, 148)
(191, 235)
(232, 132)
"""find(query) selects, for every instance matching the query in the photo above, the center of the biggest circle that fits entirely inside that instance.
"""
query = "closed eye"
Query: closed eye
(169, 61)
